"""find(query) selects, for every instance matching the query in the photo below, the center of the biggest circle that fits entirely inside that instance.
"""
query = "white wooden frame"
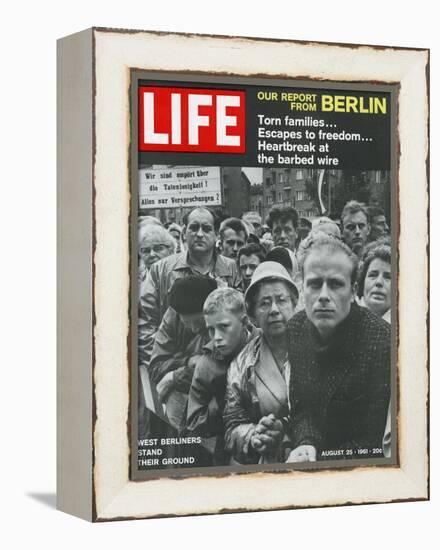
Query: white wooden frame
(94, 277)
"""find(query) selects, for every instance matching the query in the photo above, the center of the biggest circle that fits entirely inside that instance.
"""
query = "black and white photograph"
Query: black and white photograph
(266, 291)
(232, 293)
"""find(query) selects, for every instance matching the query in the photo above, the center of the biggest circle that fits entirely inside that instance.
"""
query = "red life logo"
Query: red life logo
(191, 120)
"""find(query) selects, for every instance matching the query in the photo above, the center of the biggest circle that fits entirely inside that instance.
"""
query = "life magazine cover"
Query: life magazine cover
(266, 269)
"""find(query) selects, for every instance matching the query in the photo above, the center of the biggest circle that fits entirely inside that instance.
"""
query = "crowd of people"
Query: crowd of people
(270, 342)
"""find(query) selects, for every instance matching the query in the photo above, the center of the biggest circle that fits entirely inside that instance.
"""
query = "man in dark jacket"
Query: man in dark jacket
(340, 362)
(179, 341)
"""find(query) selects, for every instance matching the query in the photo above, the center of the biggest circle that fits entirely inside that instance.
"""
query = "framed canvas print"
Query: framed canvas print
(242, 274)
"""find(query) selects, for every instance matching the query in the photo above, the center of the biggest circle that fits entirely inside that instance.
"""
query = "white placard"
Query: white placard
(176, 187)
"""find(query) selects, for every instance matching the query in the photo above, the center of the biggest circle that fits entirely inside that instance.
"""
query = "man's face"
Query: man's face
(225, 330)
(284, 234)
(355, 232)
(255, 220)
(195, 322)
(232, 242)
(273, 308)
(379, 227)
(248, 264)
(328, 292)
(200, 233)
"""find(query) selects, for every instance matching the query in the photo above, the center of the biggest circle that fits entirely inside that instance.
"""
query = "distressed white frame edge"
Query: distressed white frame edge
(115, 495)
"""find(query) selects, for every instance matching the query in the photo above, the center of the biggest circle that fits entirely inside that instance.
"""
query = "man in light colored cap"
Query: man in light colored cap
(256, 396)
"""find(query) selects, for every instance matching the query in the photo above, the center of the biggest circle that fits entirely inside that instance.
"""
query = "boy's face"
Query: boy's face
(225, 330)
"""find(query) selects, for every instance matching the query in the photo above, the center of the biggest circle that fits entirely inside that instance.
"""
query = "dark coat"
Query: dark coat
(339, 393)
(174, 346)
(154, 293)
(207, 394)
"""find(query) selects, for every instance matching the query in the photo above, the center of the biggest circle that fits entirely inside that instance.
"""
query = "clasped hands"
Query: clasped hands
(268, 434)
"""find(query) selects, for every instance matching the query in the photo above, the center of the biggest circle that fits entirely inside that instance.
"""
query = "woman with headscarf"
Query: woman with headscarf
(375, 280)
(375, 291)
(256, 396)
(154, 243)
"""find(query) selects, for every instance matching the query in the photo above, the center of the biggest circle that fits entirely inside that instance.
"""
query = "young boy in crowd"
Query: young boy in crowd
(229, 330)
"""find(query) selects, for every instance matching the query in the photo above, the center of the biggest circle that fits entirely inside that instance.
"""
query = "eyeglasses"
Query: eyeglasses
(281, 301)
(157, 248)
